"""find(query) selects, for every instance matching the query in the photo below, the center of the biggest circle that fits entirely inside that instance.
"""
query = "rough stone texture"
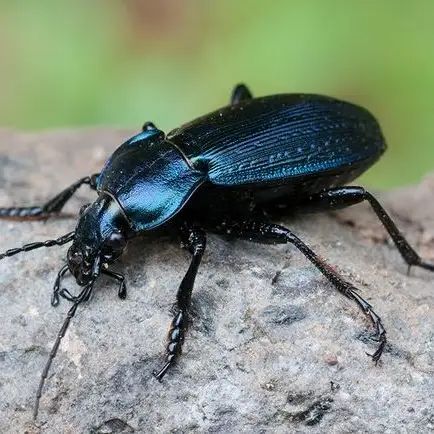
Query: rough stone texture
(273, 346)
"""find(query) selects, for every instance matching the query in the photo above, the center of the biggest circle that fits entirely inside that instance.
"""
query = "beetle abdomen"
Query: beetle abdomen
(280, 137)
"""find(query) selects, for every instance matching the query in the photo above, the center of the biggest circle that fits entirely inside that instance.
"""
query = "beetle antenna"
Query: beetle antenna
(83, 296)
(32, 246)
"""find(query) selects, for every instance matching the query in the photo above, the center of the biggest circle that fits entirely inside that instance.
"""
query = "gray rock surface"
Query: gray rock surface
(273, 346)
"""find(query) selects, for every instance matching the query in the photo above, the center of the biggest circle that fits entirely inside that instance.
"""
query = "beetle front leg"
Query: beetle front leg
(341, 197)
(269, 233)
(56, 289)
(120, 278)
(53, 206)
(194, 239)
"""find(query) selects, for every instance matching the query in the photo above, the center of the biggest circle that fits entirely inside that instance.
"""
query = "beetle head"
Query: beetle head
(99, 240)
(81, 262)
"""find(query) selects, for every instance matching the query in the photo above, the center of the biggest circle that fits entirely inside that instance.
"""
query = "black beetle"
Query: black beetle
(225, 172)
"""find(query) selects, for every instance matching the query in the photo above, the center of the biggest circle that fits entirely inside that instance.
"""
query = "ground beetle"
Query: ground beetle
(225, 172)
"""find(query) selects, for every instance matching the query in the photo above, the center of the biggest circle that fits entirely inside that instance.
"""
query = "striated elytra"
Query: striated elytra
(228, 172)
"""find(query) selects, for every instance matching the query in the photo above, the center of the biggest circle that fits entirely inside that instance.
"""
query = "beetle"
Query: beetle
(225, 172)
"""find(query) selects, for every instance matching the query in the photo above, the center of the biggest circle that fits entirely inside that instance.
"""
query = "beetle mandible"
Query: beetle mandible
(225, 172)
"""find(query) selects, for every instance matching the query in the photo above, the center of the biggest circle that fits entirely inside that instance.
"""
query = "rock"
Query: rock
(273, 346)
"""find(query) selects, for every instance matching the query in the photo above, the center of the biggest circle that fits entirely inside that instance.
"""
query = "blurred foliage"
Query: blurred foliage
(120, 63)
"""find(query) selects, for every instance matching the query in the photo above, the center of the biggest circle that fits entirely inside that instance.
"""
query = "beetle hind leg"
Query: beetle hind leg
(194, 240)
(268, 233)
(341, 197)
(240, 93)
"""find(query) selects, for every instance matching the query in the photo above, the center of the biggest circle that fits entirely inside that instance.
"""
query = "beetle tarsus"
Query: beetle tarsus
(275, 234)
(175, 340)
(378, 353)
(380, 332)
(120, 278)
(56, 289)
(122, 292)
(194, 240)
(381, 338)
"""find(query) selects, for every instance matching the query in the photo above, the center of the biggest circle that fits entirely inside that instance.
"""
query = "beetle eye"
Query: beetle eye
(114, 245)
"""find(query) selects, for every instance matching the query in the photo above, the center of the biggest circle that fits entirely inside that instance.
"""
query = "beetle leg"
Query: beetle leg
(342, 197)
(274, 234)
(122, 291)
(240, 93)
(56, 288)
(53, 206)
(194, 240)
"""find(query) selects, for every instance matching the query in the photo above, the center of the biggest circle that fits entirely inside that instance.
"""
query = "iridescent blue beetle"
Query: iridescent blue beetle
(226, 172)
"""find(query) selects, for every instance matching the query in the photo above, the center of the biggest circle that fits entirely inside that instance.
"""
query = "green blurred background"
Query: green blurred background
(119, 63)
